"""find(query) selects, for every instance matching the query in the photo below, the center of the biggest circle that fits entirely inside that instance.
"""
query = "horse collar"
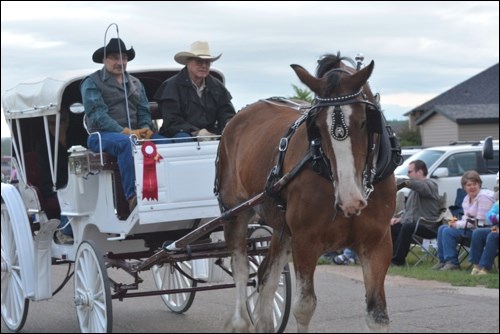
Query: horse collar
(339, 130)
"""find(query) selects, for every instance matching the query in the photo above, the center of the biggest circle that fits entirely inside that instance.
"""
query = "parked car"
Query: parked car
(407, 152)
(446, 164)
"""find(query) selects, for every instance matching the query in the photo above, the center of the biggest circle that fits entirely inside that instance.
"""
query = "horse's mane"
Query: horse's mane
(329, 62)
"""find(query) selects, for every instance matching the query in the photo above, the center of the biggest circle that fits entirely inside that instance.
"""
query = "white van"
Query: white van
(407, 152)
(446, 165)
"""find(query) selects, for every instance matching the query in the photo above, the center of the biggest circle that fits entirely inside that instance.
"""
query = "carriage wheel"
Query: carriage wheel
(282, 296)
(92, 294)
(168, 277)
(14, 304)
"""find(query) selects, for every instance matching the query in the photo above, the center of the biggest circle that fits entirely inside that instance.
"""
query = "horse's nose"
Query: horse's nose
(353, 207)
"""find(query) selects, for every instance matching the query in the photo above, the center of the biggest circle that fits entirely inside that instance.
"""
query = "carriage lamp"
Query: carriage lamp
(78, 160)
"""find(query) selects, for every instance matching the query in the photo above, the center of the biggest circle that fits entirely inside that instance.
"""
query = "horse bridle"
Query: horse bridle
(339, 130)
(276, 181)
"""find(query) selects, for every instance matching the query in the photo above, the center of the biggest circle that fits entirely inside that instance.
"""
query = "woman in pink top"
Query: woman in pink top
(476, 204)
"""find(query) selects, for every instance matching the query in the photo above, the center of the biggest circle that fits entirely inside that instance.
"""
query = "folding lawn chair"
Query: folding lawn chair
(425, 249)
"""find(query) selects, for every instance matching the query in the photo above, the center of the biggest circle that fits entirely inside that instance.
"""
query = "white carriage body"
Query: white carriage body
(185, 177)
(88, 191)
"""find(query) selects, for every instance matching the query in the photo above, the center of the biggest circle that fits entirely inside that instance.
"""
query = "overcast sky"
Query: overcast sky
(420, 49)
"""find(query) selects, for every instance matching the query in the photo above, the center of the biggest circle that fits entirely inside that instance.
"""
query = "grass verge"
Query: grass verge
(454, 277)
(424, 271)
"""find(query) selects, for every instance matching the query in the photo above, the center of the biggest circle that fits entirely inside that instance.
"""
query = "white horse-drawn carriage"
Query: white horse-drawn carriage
(87, 191)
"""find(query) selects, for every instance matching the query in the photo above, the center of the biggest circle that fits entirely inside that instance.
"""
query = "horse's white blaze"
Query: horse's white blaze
(347, 191)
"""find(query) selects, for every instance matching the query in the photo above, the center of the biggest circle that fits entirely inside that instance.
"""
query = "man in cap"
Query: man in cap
(194, 102)
(116, 106)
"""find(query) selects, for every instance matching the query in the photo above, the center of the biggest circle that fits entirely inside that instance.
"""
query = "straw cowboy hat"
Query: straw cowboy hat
(199, 49)
(115, 45)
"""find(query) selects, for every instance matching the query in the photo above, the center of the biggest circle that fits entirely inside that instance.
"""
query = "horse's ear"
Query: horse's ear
(307, 79)
(358, 79)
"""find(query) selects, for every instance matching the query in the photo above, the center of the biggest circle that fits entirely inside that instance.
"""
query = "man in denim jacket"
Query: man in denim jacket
(115, 115)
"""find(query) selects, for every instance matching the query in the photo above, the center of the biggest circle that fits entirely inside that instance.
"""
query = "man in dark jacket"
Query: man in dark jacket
(194, 103)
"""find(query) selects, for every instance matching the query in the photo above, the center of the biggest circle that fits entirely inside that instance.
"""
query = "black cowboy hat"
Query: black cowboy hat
(115, 45)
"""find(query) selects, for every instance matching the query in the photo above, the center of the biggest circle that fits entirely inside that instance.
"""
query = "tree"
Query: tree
(409, 137)
(301, 94)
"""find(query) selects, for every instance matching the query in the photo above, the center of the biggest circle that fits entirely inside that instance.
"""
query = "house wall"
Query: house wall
(438, 130)
(477, 131)
(412, 120)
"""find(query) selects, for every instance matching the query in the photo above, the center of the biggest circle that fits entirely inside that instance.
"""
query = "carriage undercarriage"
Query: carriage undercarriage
(178, 274)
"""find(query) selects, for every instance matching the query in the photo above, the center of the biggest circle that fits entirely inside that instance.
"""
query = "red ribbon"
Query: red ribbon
(149, 180)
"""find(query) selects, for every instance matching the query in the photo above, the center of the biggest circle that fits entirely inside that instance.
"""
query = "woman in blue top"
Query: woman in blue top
(484, 244)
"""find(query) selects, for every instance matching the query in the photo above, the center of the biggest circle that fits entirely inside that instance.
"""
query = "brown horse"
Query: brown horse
(323, 190)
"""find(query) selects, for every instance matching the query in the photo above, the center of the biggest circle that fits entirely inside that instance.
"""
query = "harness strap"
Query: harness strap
(282, 147)
(275, 182)
(273, 188)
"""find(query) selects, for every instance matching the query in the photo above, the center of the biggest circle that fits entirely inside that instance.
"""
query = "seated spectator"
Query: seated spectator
(423, 201)
(193, 102)
(476, 204)
(484, 243)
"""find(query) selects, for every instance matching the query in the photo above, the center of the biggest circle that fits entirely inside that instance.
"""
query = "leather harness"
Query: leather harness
(384, 153)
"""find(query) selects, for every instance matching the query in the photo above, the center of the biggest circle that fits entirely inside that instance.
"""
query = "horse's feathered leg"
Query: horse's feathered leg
(269, 276)
(235, 232)
(375, 262)
(305, 300)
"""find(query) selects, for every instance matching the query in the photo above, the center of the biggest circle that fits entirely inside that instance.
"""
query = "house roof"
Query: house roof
(482, 89)
(464, 113)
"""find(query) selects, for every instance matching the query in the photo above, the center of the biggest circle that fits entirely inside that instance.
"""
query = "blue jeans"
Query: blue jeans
(483, 247)
(67, 230)
(182, 137)
(118, 145)
(448, 239)
(163, 140)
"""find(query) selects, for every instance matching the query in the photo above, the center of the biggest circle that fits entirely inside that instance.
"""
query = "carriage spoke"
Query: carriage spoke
(92, 294)
(14, 303)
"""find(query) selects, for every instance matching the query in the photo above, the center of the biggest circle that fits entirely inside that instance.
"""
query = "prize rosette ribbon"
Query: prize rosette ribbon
(149, 179)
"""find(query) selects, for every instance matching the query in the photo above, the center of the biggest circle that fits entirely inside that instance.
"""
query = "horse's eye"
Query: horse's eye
(363, 124)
